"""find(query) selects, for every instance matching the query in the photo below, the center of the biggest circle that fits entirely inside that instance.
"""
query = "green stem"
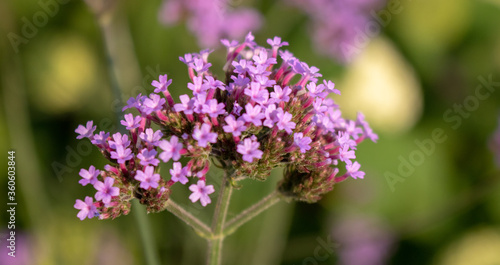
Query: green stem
(146, 236)
(216, 242)
(248, 214)
(199, 227)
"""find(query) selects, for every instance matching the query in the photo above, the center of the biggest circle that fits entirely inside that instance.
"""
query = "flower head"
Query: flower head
(179, 173)
(119, 140)
(253, 114)
(201, 192)
(89, 176)
(249, 148)
(122, 154)
(267, 113)
(148, 178)
(148, 157)
(162, 85)
(353, 170)
(87, 208)
(100, 138)
(105, 191)
(130, 121)
(302, 142)
(204, 136)
(153, 103)
(151, 137)
(172, 149)
(85, 131)
(234, 126)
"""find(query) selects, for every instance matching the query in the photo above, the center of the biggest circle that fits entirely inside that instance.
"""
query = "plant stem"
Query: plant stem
(248, 214)
(146, 236)
(216, 242)
(199, 227)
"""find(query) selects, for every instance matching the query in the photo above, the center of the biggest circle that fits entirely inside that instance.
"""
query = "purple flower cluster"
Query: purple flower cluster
(340, 26)
(255, 120)
(363, 240)
(211, 20)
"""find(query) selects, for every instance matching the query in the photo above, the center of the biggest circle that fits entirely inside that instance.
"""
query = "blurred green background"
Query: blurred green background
(408, 81)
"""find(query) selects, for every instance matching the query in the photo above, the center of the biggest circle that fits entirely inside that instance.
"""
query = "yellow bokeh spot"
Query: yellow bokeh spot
(383, 86)
(64, 74)
(479, 247)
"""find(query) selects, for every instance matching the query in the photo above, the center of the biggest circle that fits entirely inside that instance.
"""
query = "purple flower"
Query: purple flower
(270, 116)
(264, 81)
(211, 83)
(197, 86)
(249, 149)
(134, 102)
(210, 20)
(261, 58)
(276, 42)
(187, 59)
(172, 149)
(148, 157)
(130, 122)
(153, 103)
(87, 208)
(330, 87)
(258, 70)
(151, 137)
(256, 93)
(240, 80)
(179, 173)
(230, 45)
(86, 131)
(213, 109)
(201, 192)
(353, 170)
(199, 66)
(199, 102)
(345, 154)
(253, 114)
(148, 178)
(284, 121)
(100, 138)
(366, 128)
(316, 90)
(89, 176)
(344, 139)
(241, 66)
(318, 105)
(302, 142)
(161, 86)
(119, 139)
(286, 56)
(234, 126)
(122, 154)
(106, 190)
(280, 94)
(204, 135)
(186, 105)
(349, 127)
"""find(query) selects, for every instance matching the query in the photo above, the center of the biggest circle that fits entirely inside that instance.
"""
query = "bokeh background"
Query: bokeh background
(411, 80)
